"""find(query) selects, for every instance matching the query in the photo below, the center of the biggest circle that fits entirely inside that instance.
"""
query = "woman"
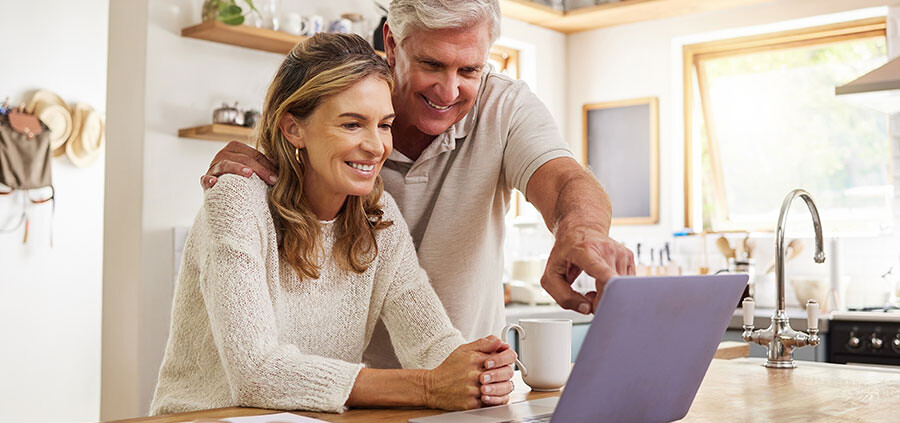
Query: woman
(281, 288)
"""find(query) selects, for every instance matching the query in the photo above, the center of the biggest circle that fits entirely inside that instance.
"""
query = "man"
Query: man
(463, 138)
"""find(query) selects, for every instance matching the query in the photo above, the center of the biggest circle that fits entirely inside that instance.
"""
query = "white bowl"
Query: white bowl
(811, 288)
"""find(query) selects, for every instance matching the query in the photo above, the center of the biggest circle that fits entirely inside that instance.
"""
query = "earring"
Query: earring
(297, 154)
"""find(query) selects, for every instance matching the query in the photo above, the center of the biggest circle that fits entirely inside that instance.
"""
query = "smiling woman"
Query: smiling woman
(280, 288)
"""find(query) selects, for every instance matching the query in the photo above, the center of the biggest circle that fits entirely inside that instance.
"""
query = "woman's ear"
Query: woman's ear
(292, 130)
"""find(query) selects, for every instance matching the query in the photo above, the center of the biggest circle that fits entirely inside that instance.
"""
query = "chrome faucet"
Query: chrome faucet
(779, 337)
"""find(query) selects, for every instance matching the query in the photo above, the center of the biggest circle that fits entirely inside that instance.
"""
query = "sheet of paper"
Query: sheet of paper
(265, 418)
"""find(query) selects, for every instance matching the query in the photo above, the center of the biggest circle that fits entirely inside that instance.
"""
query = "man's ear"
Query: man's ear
(390, 43)
(292, 130)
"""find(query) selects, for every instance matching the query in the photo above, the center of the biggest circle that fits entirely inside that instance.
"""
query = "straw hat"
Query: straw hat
(43, 96)
(85, 144)
(54, 112)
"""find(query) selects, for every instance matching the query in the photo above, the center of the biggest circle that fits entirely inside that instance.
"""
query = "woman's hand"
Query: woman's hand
(475, 374)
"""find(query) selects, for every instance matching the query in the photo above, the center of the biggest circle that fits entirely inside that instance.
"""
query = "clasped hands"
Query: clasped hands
(473, 375)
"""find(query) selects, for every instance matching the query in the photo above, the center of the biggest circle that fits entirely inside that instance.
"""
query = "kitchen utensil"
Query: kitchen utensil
(793, 249)
(229, 115)
(725, 248)
(749, 247)
(742, 265)
(546, 345)
(250, 117)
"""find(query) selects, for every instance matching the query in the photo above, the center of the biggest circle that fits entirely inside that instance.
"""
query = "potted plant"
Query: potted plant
(226, 11)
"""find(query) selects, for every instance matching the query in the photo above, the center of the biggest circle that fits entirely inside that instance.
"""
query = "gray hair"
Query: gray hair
(442, 14)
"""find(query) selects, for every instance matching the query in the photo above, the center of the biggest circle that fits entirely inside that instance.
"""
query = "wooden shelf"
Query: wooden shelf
(217, 132)
(244, 36)
(611, 14)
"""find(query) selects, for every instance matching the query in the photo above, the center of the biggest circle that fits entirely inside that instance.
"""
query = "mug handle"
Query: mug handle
(521, 332)
(304, 26)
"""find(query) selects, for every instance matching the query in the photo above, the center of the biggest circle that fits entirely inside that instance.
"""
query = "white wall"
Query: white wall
(645, 59)
(175, 83)
(542, 59)
(50, 297)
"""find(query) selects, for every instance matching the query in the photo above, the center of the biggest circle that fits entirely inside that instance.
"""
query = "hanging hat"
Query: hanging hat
(54, 112)
(84, 147)
(44, 96)
(77, 118)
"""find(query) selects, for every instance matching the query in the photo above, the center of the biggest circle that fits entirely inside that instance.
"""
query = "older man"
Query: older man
(464, 136)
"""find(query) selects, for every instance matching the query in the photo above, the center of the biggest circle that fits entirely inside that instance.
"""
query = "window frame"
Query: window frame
(692, 54)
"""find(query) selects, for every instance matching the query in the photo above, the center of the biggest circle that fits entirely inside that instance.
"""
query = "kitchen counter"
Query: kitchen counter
(737, 390)
(797, 316)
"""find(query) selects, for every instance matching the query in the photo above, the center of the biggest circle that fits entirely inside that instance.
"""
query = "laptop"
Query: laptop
(647, 350)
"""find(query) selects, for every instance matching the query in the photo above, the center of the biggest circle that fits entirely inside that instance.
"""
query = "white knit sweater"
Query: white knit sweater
(246, 331)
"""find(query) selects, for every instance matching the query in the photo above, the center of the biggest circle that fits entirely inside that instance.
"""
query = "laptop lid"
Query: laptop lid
(648, 348)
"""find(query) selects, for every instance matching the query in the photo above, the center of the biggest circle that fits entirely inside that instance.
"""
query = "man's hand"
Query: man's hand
(583, 248)
(578, 211)
(239, 159)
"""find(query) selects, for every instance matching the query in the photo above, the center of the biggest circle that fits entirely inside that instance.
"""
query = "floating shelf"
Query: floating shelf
(244, 36)
(610, 14)
(217, 132)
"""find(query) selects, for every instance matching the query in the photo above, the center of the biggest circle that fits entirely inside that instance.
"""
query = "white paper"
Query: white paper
(265, 418)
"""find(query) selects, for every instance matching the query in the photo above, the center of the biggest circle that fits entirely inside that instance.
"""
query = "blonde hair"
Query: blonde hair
(316, 69)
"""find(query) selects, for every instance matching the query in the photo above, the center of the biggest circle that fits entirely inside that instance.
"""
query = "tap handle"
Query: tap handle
(812, 315)
(749, 307)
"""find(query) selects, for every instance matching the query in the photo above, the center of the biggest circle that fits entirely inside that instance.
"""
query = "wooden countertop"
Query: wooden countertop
(737, 390)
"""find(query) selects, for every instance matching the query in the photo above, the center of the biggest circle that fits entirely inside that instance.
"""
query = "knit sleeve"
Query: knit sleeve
(261, 371)
(420, 330)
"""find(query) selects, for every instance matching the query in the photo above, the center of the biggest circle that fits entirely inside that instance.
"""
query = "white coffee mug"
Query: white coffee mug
(545, 351)
(294, 24)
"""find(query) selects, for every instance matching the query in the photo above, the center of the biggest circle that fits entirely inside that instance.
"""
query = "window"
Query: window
(761, 118)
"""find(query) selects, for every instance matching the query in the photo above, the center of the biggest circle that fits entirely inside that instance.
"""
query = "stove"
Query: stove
(865, 336)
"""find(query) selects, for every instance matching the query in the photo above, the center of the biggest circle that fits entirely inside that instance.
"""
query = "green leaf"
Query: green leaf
(231, 19)
(231, 10)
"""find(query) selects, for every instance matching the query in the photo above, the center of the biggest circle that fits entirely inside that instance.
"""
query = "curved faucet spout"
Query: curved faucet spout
(779, 238)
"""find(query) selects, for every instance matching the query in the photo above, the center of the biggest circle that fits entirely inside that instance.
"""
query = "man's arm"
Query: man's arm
(239, 159)
(578, 212)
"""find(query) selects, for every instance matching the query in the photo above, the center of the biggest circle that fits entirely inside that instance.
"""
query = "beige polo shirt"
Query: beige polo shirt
(455, 196)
